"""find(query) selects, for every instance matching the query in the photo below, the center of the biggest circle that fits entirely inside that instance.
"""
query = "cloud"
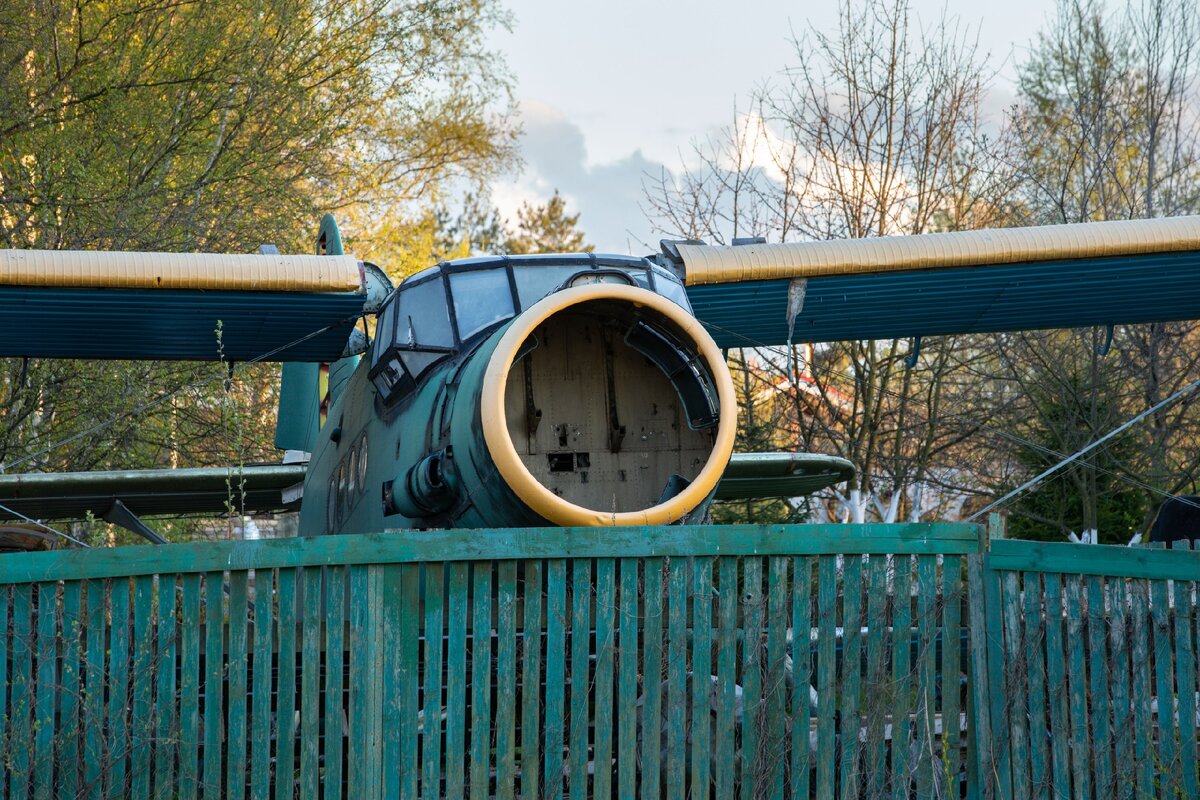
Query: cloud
(608, 196)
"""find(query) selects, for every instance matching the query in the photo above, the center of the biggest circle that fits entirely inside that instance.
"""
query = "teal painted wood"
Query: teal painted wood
(775, 686)
(826, 674)
(725, 764)
(602, 734)
(1144, 756)
(1105, 560)
(802, 591)
(1077, 687)
(335, 649)
(553, 765)
(901, 678)
(926, 702)
(1099, 702)
(260, 685)
(1056, 681)
(6, 651)
(214, 681)
(68, 754)
(1121, 698)
(285, 686)
(849, 719)
(753, 613)
(627, 681)
(21, 690)
(410, 678)
(389, 604)
(493, 544)
(506, 671)
(951, 669)
(431, 714)
(531, 670)
(482, 671)
(676, 710)
(998, 714)
(189, 684)
(310, 677)
(45, 691)
(981, 747)
(877, 676)
(652, 633)
(581, 600)
(1035, 660)
(166, 715)
(702, 677)
(141, 731)
(1168, 744)
(1017, 699)
(1185, 674)
(235, 682)
(118, 691)
(456, 679)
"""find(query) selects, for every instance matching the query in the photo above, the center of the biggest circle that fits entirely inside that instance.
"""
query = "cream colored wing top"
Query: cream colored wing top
(119, 270)
(756, 262)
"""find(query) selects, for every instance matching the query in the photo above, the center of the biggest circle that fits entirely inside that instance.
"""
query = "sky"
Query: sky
(610, 91)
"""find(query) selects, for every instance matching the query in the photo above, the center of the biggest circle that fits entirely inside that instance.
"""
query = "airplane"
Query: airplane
(566, 389)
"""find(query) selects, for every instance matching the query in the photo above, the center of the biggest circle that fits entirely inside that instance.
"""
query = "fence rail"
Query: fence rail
(804, 661)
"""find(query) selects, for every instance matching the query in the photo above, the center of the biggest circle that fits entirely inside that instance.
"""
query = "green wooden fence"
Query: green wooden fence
(1091, 671)
(708, 662)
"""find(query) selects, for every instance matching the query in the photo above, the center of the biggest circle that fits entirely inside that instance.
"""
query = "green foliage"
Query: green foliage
(546, 228)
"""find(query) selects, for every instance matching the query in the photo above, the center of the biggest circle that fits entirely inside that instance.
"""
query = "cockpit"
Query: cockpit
(444, 309)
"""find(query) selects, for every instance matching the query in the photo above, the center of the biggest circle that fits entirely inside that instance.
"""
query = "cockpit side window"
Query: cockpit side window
(422, 319)
(536, 281)
(481, 298)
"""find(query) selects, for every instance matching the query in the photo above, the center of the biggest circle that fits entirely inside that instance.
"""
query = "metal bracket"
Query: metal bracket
(1102, 349)
(119, 514)
(910, 360)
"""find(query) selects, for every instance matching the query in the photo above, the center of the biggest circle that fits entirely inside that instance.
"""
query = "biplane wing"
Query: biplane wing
(752, 476)
(1058, 276)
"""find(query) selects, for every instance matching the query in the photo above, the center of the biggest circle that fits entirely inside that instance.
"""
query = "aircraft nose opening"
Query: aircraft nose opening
(616, 407)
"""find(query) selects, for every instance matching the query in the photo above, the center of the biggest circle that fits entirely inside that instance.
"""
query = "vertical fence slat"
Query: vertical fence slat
(753, 757)
(726, 767)
(189, 684)
(431, 714)
(951, 670)
(981, 748)
(1143, 743)
(802, 675)
(556, 614)
(652, 631)
(310, 680)
(1121, 699)
(901, 675)
(581, 599)
(285, 688)
(826, 673)
(235, 682)
(165, 716)
(335, 649)
(775, 689)
(1077, 687)
(1169, 776)
(531, 693)
(676, 711)
(506, 670)
(118, 690)
(21, 689)
(1100, 741)
(214, 681)
(702, 686)
(1035, 662)
(143, 676)
(851, 666)
(45, 691)
(409, 610)
(627, 681)
(456, 680)
(68, 755)
(481, 680)
(602, 734)
(260, 685)
(875, 752)
(1056, 676)
(6, 651)
(1015, 684)
(927, 753)
(1186, 696)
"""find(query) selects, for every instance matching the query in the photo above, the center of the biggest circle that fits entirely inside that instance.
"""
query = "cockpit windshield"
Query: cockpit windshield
(432, 314)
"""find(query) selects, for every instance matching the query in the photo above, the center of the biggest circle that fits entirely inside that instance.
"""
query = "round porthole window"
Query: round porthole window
(352, 476)
(362, 463)
(341, 489)
(331, 506)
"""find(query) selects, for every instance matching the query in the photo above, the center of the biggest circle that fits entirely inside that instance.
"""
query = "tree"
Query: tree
(546, 228)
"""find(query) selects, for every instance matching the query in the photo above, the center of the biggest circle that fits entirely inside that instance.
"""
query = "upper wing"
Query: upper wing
(109, 305)
(756, 475)
(1057, 276)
